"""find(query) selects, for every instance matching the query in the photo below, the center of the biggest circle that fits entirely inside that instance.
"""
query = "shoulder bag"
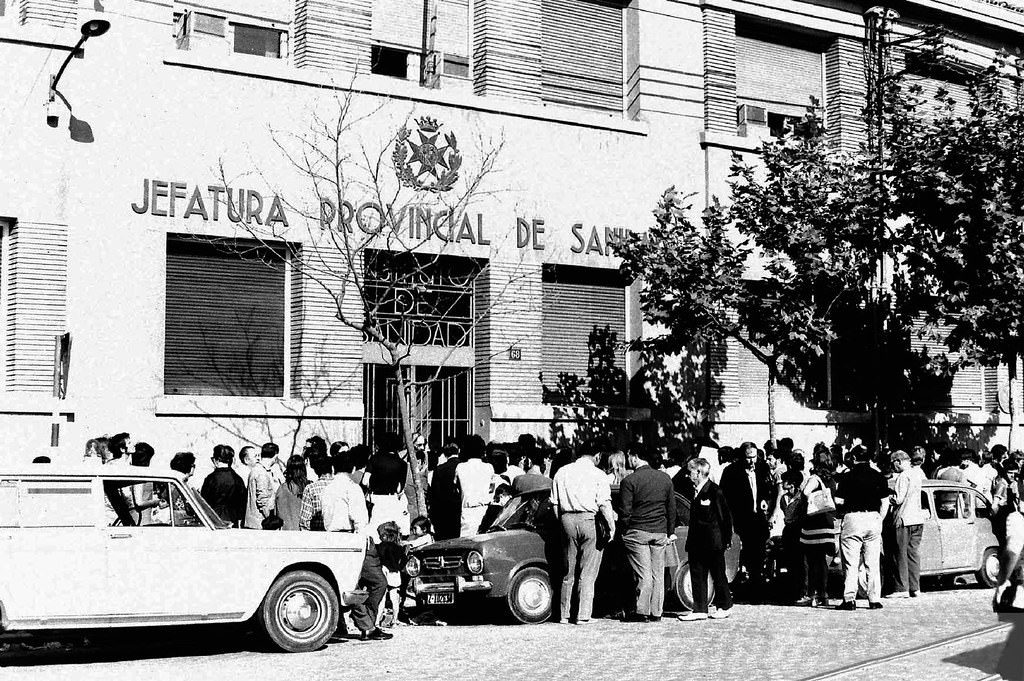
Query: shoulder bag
(820, 500)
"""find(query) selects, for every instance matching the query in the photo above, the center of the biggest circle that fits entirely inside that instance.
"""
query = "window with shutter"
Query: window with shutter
(777, 70)
(582, 53)
(224, 321)
(582, 305)
(966, 389)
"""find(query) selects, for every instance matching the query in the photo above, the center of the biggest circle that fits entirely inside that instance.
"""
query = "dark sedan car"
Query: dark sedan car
(518, 563)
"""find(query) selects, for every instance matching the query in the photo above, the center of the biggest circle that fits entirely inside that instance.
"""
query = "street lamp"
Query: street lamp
(90, 29)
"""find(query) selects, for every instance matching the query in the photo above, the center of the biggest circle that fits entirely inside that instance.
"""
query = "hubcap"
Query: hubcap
(534, 595)
(301, 611)
(992, 567)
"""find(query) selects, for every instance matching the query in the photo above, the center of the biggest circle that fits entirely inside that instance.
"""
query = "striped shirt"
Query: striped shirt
(311, 517)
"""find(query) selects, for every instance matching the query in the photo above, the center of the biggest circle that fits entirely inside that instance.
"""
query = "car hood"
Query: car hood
(475, 542)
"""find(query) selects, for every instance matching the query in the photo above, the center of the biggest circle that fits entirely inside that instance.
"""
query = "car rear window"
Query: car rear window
(46, 503)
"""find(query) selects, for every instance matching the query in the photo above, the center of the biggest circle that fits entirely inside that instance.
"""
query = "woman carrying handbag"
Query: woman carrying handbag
(818, 529)
(1009, 597)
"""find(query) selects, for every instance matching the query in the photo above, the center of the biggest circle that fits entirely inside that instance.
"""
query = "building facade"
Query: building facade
(163, 227)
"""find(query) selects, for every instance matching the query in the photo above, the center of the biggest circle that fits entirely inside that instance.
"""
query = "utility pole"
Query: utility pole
(878, 22)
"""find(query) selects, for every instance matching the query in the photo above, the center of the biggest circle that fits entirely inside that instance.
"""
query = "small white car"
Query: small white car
(73, 554)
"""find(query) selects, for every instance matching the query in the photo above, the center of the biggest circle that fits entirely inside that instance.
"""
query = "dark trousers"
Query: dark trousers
(703, 564)
(753, 541)
(372, 579)
(793, 559)
(908, 559)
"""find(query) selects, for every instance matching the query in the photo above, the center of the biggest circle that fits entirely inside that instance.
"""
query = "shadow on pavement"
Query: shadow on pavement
(117, 645)
(983, 659)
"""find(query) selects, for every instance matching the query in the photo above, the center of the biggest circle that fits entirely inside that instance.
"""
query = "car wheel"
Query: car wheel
(300, 612)
(684, 587)
(989, 572)
(530, 597)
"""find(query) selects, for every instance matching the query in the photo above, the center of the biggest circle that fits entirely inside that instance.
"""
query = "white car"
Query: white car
(74, 555)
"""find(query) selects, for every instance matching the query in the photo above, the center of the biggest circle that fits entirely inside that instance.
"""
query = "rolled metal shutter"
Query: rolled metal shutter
(582, 53)
(778, 76)
(224, 320)
(967, 390)
(398, 22)
(576, 301)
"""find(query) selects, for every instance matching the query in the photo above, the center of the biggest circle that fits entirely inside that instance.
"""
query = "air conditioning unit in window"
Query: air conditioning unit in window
(752, 121)
(747, 114)
(197, 31)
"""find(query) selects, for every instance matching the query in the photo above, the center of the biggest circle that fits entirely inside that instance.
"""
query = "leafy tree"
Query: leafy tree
(801, 212)
(959, 179)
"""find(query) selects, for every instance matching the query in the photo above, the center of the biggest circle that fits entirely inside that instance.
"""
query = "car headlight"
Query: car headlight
(412, 566)
(474, 562)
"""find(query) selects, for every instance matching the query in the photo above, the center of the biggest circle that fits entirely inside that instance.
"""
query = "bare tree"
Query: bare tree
(390, 238)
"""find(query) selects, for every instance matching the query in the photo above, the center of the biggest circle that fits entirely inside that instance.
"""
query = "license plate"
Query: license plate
(440, 599)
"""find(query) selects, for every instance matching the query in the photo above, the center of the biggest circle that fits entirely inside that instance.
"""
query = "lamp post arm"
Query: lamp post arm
(67, 60)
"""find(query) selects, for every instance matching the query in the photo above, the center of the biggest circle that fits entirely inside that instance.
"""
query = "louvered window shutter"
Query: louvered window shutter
(777, 76)
(576, 301)
(930, 88)
(967, 390)
(582, 54)
(224, 320)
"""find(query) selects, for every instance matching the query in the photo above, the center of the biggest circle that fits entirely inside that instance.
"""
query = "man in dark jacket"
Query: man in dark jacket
(709, 536)
(224, 489)
(748, 491)
(444, 505)
(648, 521)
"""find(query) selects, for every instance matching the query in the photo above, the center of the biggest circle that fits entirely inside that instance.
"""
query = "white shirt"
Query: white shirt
(344, 506)
(908, 497)
(752, 479)
(474, 478)
(580, 487)
(977, 477)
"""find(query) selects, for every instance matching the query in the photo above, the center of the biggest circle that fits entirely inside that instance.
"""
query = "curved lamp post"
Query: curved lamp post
(90, 29)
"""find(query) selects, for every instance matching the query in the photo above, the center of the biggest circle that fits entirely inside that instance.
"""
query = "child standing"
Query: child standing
(392, 556)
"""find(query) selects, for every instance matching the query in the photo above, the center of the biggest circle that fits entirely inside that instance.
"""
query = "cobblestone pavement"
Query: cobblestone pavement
(758, 642)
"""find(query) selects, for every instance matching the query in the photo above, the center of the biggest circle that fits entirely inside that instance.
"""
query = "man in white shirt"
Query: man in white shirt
(260, 488)
(473, 479)
(580, 491)
(343, 501)
(909, 520)
(344, 509)
(973, 475)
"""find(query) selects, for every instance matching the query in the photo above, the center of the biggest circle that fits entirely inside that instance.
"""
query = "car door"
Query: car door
(154, 563)
(53, 570)
(931, 538)
(955, 515)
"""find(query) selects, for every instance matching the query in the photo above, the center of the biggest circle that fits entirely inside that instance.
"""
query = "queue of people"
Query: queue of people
(803, 511)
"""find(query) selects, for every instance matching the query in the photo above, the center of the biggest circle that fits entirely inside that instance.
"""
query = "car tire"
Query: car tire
(684, 587)
(530, 597)
(300, 612)
(988, 574)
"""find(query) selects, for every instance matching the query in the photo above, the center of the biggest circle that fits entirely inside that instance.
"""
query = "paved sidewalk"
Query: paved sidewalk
(758, 642)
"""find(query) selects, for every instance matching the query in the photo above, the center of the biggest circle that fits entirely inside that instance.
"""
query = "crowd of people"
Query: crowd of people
(787, 509)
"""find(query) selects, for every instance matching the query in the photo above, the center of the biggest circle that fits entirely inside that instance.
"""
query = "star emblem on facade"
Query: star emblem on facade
(427, 165)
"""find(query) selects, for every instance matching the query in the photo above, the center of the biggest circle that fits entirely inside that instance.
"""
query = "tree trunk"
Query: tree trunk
(1011, 402)
(405, 388)
(771, 400)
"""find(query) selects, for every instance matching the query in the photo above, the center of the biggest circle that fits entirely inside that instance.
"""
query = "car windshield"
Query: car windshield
(520, 511)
